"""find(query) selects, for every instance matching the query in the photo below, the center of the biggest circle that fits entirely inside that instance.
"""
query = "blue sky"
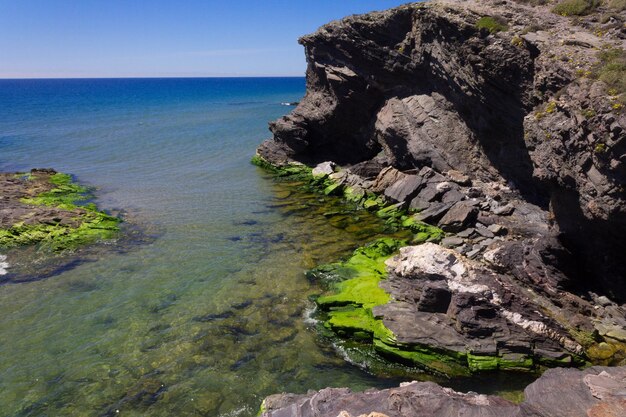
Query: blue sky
(126, 38)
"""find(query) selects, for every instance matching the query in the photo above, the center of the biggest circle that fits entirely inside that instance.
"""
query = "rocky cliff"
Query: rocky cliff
(430, 85)
(503, 124)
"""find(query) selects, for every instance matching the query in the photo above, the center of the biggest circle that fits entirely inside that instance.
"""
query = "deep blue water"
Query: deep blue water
(174, 155)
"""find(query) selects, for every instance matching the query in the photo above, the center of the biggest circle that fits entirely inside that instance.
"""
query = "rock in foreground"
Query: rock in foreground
(594, 392)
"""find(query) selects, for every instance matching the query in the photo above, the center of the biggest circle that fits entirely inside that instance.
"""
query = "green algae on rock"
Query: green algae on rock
(354, 291)
(49, 209)
(396, 216)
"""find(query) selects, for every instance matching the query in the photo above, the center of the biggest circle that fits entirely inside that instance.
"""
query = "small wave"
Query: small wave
(3, 265)
(309, 312)
(290, 103)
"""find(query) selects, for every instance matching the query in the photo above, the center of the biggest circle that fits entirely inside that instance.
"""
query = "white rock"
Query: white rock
(323, 169)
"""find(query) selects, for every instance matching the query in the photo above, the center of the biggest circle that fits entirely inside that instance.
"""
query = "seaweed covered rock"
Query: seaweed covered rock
(49, 209)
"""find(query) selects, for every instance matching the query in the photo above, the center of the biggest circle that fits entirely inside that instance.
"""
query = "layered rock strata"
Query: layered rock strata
(498, 136)
(426, 85)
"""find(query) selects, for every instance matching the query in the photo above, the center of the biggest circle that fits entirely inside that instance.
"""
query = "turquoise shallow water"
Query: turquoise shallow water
(209, 317)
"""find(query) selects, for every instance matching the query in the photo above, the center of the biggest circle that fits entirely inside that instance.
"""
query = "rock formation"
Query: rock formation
(595, 392)
(426, 85)
(503, 123)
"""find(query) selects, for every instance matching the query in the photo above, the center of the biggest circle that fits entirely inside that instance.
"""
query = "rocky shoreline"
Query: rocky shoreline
(494, 131)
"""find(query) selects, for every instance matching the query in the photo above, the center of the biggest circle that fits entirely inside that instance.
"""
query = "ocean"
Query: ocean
(212, 313)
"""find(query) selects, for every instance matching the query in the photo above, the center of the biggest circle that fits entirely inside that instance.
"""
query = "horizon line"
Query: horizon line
(152, 77)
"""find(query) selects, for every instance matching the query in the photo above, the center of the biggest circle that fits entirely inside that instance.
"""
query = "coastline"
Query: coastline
(442, 113)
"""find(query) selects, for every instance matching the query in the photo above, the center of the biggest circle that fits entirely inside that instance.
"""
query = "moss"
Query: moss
(394, 214)
(292, 171)
(89, 225)
(517, 41)
(551, 107)
(617, 5)
(562, 362)
(575, 7)
(423, 231)
(350, 321)
(608, 352)
(481, 363)
(61, 237)
(262, 409)
(611, 69)
(354, 291)
(492, 24)
(333, 189)
(589, 113)
(354, 195)
(521, 363)
(600, 148)
(65, 195)
(448, 363)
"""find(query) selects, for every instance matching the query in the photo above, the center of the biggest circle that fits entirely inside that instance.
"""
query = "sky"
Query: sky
(163, 38)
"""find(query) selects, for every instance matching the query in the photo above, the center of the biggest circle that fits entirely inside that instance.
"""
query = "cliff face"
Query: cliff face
(497, 90)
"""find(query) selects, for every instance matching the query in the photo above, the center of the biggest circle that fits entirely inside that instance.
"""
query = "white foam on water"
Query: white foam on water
(309, 313)
(3, 265)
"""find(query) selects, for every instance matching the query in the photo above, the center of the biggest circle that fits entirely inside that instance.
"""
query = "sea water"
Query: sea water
(211, 315)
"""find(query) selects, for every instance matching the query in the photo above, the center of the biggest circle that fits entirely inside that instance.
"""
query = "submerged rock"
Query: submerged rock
(49, 209)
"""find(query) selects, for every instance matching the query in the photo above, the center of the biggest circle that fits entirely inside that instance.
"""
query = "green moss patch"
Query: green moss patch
(352, 293)
(60, 237)
(575, 7)
(612, 70)
(66, 194)
(69, 226)
(492, 24)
